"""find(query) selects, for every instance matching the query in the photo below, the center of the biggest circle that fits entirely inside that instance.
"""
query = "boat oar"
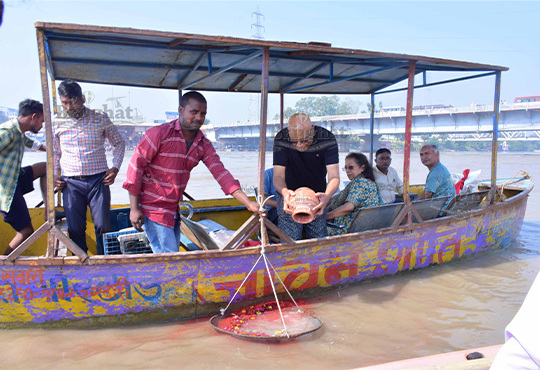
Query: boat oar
(188, 196)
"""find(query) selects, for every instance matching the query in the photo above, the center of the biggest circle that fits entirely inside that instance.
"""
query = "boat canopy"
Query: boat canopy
(180, 61)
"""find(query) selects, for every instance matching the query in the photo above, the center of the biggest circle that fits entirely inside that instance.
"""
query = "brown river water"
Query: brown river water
(459, 305)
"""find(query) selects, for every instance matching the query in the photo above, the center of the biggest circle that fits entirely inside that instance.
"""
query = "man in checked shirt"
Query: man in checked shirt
(79, 157)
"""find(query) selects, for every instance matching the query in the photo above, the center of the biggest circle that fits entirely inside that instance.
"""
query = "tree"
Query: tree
(323, 106)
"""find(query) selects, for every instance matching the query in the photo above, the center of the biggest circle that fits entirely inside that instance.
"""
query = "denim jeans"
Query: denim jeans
(162, 239)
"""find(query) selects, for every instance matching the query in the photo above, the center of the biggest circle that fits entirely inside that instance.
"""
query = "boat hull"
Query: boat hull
(115, 290)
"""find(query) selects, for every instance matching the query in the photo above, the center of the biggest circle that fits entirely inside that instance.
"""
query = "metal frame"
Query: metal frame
(248, 49)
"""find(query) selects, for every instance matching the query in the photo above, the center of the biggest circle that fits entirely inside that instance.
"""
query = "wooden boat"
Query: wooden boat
(459, 360)
(40, 288)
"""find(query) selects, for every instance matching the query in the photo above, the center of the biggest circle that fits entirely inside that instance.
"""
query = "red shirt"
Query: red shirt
(160, 169)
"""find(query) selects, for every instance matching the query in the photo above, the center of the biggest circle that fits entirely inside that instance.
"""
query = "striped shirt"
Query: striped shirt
(160, 169)
(12, 143)
(79, 144)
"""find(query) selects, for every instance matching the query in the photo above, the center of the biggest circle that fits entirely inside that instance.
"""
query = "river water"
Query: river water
(455, 306)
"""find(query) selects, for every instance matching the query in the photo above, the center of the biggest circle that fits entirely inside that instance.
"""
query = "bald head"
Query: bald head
(301, 131)
(299, 121)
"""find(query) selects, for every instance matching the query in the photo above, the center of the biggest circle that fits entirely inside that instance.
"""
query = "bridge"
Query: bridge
(517, 122)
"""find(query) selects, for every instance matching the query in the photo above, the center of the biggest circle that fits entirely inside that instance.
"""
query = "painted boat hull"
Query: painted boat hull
(115, 290)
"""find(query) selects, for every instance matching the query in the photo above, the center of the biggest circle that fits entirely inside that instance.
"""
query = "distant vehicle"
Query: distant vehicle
(432, 106)
(527, 99)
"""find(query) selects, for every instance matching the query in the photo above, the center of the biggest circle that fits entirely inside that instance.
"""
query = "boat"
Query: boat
(41, 288)
(471, 359)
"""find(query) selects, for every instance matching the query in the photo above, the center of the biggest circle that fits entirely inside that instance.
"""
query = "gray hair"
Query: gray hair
(434, 146)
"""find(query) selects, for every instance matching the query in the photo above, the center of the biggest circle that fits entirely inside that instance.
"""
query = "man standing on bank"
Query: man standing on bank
(386, 177)
(80, 159)
(439, 181)
(14, 180)
(160, 168)
(303, 155)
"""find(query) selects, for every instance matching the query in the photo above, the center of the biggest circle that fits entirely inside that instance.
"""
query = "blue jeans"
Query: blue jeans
(162, 239)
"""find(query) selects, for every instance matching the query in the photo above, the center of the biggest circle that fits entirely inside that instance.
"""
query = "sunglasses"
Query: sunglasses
(301, 141)
(304, 140)
(350, 168)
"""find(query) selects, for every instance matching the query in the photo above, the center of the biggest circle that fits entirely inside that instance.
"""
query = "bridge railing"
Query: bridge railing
(473, 108)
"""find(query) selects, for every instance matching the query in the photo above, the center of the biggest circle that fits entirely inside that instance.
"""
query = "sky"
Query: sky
(490, 32)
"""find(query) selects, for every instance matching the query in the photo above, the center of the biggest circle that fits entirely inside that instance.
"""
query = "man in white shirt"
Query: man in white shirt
(386, 177)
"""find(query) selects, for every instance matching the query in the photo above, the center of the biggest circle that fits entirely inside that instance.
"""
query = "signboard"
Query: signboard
(171, 115)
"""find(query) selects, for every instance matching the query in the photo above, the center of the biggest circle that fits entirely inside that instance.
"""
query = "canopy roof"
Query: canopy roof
(172, 60)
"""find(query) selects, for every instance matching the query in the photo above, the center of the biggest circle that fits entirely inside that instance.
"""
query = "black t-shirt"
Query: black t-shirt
(306, 168)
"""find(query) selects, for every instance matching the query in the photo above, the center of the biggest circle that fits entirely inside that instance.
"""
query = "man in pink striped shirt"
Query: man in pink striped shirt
(160, 168)
(79, 154)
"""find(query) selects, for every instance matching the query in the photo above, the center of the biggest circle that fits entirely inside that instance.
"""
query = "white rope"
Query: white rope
(241, 285)
(287, 290)
(261, 201)
(524, 177)
(275, 295)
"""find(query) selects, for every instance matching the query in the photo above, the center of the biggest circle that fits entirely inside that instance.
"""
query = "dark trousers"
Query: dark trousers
(79, 193)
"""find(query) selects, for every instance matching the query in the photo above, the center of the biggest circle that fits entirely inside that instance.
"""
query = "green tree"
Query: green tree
(323, 106)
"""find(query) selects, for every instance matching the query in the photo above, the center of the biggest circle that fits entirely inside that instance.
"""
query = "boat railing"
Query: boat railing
(384, 216)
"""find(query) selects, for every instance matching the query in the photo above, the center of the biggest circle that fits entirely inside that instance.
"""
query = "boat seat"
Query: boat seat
(465, 202)
(374, 218)
(428, 209)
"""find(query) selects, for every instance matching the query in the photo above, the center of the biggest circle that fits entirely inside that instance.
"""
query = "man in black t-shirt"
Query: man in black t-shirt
(303, 155)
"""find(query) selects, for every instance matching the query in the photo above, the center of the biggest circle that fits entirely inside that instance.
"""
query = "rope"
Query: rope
(261, 201)
(241, 285)
(524, 177)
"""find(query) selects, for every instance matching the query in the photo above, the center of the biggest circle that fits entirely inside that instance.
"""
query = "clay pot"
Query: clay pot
(302, 203)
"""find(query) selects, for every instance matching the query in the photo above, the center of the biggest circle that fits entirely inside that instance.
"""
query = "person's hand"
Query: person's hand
(110, 175)
(137, 218)
(287, 194)
(59, 184)
(254, 207)
(323, 201)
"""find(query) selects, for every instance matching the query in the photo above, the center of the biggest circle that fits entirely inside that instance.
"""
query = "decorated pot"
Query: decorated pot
(302, 204)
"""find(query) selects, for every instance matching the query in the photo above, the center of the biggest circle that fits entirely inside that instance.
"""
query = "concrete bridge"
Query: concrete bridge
(519, 121)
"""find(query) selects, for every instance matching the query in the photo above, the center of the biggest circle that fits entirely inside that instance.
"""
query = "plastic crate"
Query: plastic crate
(126, 241)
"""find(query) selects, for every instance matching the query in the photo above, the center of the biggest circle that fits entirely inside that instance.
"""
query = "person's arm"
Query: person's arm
(343, 210)
(281, 187)
(240, 196)
(270, 202)
(425, 195)
(57, 154)
(145, 152)
(399, 184)
(135, 214)
(119, 144)
(6, 138)
(268, 184)
(331, 187)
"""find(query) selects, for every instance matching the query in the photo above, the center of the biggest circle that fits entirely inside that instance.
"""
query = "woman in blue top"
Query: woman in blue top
(361, 192)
